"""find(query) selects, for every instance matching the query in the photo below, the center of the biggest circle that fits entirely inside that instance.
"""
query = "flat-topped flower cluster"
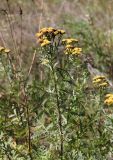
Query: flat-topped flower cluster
(100, 81)
(109, 99)
(71, 46)
(46, 37)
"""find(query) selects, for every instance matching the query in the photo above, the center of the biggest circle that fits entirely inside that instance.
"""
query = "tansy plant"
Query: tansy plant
(58, 113)
(69, 78)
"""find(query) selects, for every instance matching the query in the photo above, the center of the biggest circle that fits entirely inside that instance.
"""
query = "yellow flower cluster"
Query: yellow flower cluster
(4, 50)
(45, 35)
(70, 47)
(45, 42)
(69, 40)
(108, 99)
(100, 81)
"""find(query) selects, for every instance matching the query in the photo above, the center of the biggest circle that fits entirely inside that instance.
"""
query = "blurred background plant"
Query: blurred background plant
(52, 97)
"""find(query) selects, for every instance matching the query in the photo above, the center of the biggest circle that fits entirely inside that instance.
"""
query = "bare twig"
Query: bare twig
(32, 62)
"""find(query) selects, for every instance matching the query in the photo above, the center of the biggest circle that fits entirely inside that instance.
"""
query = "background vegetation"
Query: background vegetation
(49, 106)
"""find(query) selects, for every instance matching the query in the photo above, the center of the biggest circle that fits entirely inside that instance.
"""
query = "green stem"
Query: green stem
(29, 128)
(29, 134)
(59, 116)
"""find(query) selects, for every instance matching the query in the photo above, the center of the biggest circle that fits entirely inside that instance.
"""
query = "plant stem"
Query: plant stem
(59, 117)
(29, 134)
(28, 125)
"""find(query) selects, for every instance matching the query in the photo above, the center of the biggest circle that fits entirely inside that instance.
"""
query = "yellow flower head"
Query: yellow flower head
(50, 29)
(61, 31)
(109, 95)
(99, 77)
(73, 51)
(104, 84)
(4, 50)
(108, 99)
(45, 42)
(100, 81)
(56, 32)
(97, 80)
(7, 50)
(69, 46)
(69, 40)
(50, 33)
(77, 51)
(43, 30)
(39, 34)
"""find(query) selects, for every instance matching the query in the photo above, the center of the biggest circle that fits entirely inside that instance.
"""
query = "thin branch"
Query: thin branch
(32, 62)
(28, 124)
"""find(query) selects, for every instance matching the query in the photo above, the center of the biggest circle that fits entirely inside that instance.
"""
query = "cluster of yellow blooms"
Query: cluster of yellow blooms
(109, 99)
(4, 50)
(46, 35)
(70, 46)
(100, 81)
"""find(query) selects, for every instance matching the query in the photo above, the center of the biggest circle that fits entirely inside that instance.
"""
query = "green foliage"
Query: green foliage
(56, 115)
